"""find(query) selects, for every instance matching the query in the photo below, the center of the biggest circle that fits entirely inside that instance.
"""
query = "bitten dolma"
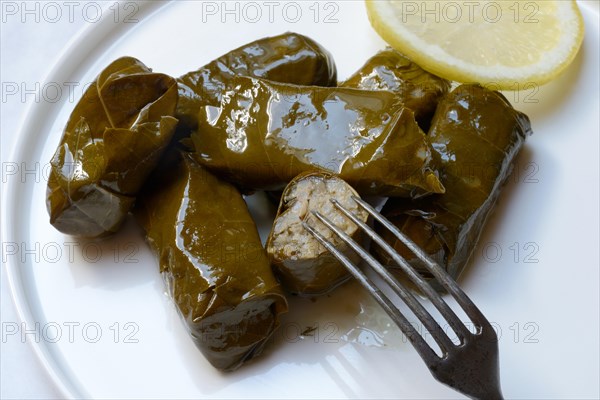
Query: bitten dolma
(264, 134)
(112, 141)
(213, 262)
(390, 70)
(303, 265)
(288, 58)
(476, 135)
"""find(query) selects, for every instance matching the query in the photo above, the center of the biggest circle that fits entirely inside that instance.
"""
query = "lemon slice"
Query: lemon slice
(491, 42)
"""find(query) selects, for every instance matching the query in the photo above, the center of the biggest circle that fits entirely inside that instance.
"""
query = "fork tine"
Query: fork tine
(448, 283)
(426, 353)
(416, 307)
(472, 367)
(448, 314)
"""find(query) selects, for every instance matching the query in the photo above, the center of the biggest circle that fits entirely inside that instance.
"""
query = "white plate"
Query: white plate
(103, 327)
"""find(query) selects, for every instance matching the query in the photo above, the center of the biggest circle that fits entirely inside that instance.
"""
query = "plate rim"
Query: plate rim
(94, 33)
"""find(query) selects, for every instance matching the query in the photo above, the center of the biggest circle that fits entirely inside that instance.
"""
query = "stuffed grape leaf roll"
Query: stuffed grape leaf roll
(288, 58)
(212, 260)
(264, 133)
(302, 264)
(391, 70)
(112, 142)
(476, 136)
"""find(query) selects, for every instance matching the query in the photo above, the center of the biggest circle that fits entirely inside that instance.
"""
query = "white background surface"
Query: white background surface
(29, 49)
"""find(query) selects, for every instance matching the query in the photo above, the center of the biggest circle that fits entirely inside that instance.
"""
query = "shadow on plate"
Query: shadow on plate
(519, 212)
(119, 262)
(311, 341)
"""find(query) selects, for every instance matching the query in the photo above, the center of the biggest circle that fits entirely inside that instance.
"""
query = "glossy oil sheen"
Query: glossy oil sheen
(476, 135)
(264, 133)
(112, 141)
(389, 70)
(212, 260)
(289, 58)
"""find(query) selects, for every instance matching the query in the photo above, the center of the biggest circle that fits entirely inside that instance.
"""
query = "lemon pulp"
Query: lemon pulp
(491, 42)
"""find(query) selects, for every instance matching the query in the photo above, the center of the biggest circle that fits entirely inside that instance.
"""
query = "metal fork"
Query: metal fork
(470, 367)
